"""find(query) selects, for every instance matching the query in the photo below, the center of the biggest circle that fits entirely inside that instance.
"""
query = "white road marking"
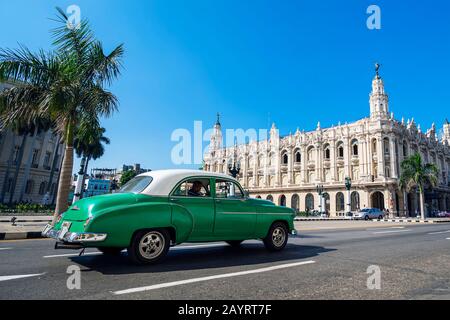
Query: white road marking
(439, 232)
(199, 246)
(20, 276)
(392, 231)
(390, 228)
(71, 255)
(218, 276)
(173, 248)
(448, 238)
(5, 249)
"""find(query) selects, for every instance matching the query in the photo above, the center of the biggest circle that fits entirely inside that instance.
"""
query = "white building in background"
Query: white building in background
(29, 165)
(287, 170)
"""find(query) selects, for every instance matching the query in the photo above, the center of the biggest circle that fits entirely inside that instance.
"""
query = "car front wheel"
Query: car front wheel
(366, 218)
(149, 246)
(277, 237)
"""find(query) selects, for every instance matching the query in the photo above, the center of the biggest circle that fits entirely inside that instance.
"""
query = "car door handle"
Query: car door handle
(174, 200)
(218, 200)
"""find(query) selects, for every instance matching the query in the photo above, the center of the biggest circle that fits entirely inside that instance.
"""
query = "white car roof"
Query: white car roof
(165, 180)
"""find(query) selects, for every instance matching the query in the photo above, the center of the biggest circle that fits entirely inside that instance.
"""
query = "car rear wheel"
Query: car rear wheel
(366, 218)
(235, 243)
(149, 246)
(110, 251)
(277, 237)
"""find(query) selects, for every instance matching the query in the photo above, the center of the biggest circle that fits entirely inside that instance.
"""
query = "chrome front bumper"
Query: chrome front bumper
(72, 237)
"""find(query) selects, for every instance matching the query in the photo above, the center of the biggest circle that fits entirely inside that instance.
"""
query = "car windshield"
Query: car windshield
(136, 185)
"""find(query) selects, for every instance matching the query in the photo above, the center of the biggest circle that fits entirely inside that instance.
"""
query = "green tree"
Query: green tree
(415, 174)
(127, 176)
(64, 85)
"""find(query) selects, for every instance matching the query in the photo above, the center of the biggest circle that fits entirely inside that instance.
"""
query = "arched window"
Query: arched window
(29, 187)
(284, 159)
(405, 149)
(269, 197)
(258, 197)
(327, 152)
(386, 145)
(340, 150)
(42, 188)
(339, 201)
(295, 202)
(298, 157)
(309, 202)
(282, 200)
(354, 197)
(354, 147)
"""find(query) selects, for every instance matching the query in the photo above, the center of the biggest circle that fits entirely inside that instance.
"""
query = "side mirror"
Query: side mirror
(246, 193)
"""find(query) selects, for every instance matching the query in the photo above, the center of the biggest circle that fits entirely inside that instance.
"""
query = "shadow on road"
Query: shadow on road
(200, 258)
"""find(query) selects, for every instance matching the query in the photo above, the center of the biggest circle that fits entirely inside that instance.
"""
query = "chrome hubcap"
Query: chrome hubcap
(151, 245)
(278, 236)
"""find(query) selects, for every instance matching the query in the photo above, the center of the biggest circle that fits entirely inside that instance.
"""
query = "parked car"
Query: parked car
(369, 213)
(159, 209)
(443, 214)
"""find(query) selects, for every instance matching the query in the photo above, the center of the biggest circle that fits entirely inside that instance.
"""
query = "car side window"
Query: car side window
(228, 190)
(193, 188)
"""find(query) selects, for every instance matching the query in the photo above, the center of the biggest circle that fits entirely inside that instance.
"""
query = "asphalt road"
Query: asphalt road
(325, 263)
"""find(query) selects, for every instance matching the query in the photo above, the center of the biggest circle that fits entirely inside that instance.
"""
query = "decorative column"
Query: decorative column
(304, 161)
(333, 160)
(393, 157)
(380, 153)
(290, 165)
(318, 162)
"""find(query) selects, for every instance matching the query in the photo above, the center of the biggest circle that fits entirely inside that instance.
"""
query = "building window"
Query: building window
(340, 150)
(35, 160)
(269, 197)
(283, 200)
(298, 157)
(405, 149)
(355, 201)
(339, 201)
(47, 159)
(355, 147)
(29, 187)
(295, 202)
(285, 159)
(386, 145)
(309, 202)
(327, 153)
(42, 188)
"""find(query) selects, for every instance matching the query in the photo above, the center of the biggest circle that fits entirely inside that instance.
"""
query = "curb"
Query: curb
(8, 221)
(375, 220)
(20, 235)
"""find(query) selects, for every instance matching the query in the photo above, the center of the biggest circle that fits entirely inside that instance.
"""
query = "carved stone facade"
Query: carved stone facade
(287, 170)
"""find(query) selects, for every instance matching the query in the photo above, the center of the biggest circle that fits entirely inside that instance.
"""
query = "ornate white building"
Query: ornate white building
(287, 170)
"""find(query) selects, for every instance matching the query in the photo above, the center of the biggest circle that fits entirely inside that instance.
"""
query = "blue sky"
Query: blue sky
(255, 61)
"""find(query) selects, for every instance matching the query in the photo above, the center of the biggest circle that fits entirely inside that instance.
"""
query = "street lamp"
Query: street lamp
(234, 167)
(348, 185)
(319, 189)
(79, 185)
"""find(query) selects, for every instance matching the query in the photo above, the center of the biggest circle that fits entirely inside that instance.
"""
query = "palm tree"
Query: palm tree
(64, 85)
(415, 174)
(89, 142)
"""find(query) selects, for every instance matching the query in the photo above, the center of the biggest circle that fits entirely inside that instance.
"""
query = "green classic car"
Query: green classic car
(163, 208)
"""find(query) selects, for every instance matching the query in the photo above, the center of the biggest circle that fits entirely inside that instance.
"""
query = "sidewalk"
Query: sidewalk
(26, 227)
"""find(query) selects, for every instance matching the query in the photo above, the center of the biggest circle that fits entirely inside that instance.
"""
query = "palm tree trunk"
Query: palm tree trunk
(422, 205)
(8, 168)
(26, 175)
(19, 162)
(65, 177)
